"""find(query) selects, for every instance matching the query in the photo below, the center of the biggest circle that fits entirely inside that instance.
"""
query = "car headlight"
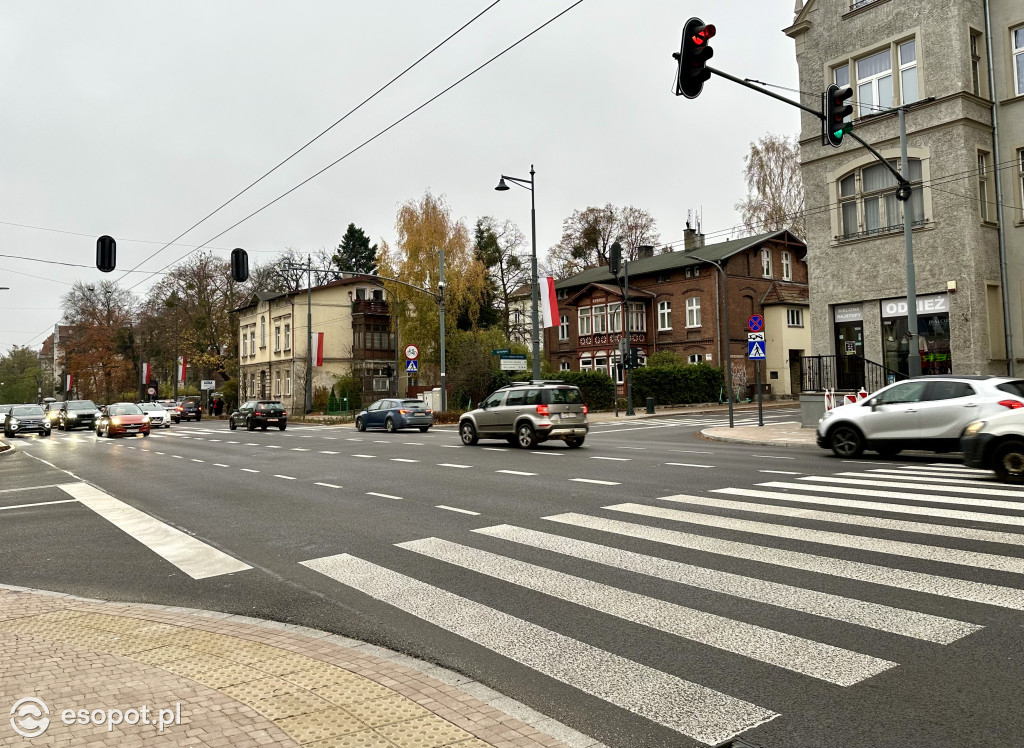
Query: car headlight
(116, 421)
(14, 421)
(974, 427)
(72, 415)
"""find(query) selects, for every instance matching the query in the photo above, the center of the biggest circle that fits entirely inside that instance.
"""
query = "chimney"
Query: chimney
(644, 251)
(689, 239)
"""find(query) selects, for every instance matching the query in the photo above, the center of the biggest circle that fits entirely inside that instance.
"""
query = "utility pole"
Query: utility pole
(725, 327)
(440, 289)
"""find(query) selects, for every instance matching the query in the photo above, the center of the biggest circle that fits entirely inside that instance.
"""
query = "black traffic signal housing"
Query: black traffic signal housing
(106, 253)
(634, 358)
(615, 259)
(389, 371)
(836, 110)
(239, 265)
(693, 56)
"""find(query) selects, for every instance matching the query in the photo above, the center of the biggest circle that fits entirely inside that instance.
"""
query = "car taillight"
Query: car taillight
(403, 411)
(284, 413)
(543, 410)
(1011, 404)
(585, 411)
(258, 413)
(429, 412)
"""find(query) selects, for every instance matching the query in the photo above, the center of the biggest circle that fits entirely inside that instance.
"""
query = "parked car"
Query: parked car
(188, 409)
(159, 416)
(25, 419)
(261, 413)
(997, 443)
(527, 413)
(76, 413)
(394, 414)
(928, 413)
(119, 419)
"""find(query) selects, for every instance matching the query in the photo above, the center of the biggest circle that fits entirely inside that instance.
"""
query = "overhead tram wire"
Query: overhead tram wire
(371, 139)
(295, 153)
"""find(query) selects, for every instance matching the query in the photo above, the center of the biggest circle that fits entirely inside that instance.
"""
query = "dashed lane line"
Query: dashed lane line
(383, 495)
(598, 482)
(326, 485)
(452, 465)
(39, 503)
(456, 509)
(285, 477)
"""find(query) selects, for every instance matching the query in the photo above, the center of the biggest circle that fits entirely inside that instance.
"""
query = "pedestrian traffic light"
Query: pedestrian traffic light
(835, 114)
(693, 56)
(106, 253)
(239, 265)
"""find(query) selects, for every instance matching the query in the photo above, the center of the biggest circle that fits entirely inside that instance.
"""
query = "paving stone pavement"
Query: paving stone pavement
(220, 681)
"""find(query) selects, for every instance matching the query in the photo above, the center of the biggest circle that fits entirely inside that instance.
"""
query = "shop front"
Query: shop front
(932, 330)
(849, 338)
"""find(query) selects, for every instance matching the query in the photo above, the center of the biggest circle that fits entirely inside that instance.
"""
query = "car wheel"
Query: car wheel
(424, 429)
(525, 436)
(145, 433)
(360, 426)
(574, 441)
(106, 431)
(199, 418)
(389, 426)
(45, 433)
(249, 425)
(888, 452)
(263, 427)
(1008, 461)
(467, 432)
(8, 434)
(282, 426)
(846, 441)
(231, 424)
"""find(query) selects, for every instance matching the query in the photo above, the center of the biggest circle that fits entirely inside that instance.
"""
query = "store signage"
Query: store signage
(848, 313)
(931, 304)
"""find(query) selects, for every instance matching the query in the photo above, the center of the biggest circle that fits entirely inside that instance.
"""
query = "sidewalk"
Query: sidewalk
(132, 676)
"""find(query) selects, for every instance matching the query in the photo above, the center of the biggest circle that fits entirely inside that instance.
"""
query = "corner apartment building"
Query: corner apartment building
(272, 340)
(961, 65)
(676, 301)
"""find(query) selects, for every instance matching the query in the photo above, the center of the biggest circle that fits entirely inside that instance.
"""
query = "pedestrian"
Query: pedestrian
(209, 406)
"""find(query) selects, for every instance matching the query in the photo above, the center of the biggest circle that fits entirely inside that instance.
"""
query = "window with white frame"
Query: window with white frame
(245, 344)
(664, 315)
(564, 366)
(586, 364)
(693, 312)
(615, 317)
(638, 319)
(563, 327)
(868, 204)
(1017, 43)
(277, 338)
(695, 358)
(984, 185)
(585, 319)
(288, 382)
(795, 317)
(600, 320)
(601, 363)
(252, 341)
(287, 336)
(766, 262)
(874, 83)
(618, 372)
(263, 332)
(907, 52)
(277, 385)
(787, 266)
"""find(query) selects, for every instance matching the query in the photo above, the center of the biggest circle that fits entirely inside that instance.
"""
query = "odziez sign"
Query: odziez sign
(933, 304)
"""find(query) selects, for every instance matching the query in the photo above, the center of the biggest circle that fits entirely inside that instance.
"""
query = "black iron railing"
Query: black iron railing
(844, 373)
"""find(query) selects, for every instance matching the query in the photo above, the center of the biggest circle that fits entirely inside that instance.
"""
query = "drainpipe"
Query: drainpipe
(1003, 279)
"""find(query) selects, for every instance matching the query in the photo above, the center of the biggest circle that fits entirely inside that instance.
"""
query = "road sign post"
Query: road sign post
(756, 353)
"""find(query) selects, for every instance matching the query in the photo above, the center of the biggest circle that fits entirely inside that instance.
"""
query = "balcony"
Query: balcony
(370, 306)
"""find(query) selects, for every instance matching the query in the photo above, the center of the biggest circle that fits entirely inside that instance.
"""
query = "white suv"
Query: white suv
(928, 413)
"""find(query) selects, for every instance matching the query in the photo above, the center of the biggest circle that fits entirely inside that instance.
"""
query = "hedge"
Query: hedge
(597, 387)
(676, 385)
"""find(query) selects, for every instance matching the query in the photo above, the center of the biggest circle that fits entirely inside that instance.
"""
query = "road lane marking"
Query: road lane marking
(195, 460)
(910, 623)
(616, 459)
(39, 503)
(774, 457)
(286, 477)
(362, 455)
(299, 449)
(383, 495)
(782, 472)
(31, 488)
(495, 449)
(414, 444)
(932, 484)
(273, 446)
(848, 486)
(328, 452)
(456, 509)
(178, 457)
(688, 464)
(691, 451)
(452, 465)
(326, 485)
(248, 470)
(514, 472)
(220, 464)
(455, 446)
(598, 482)
(194, 557)
(795, 653)
(696, 711)
(402, 459)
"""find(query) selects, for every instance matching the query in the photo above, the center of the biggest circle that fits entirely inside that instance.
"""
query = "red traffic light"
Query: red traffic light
(701, 37)
(693, 56)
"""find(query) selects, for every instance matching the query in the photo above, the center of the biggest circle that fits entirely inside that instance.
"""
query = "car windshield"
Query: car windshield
(81, 405)
(26, 410)
(125, 409)
(269, 404)
(566, 396)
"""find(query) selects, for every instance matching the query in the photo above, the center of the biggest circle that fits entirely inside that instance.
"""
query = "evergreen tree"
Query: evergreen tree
(355, 254)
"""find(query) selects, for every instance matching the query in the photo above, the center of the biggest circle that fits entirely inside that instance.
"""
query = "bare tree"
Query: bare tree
(502, 249)
(587, 236)
(636, 227)
(775, 191)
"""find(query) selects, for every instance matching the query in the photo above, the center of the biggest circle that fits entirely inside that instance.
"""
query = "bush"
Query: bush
(621, 403)
(447, 416)
(673, 385)
(597, 387)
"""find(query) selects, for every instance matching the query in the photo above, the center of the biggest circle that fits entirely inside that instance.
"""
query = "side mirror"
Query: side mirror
(873, 402)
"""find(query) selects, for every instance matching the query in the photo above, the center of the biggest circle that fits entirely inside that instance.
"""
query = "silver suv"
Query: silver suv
(929, 413)
(527, 413)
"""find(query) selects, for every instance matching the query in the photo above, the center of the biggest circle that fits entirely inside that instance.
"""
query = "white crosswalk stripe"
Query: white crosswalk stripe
(742, 628)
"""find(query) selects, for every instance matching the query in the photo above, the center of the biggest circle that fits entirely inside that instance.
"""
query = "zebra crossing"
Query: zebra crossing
(883, 540)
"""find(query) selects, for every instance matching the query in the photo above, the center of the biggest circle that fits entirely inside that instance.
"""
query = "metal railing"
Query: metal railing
(844, 373)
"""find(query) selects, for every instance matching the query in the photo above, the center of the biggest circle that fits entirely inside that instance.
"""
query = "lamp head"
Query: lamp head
(501, 185)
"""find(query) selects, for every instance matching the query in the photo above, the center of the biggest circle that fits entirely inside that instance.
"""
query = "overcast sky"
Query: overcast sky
(138, 119)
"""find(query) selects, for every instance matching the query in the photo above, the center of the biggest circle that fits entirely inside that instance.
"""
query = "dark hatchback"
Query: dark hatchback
(76, 413)
(25, 419)
(188, 409)
(259, 413)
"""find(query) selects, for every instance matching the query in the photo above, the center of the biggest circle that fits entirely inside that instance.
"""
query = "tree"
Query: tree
(775, 192)
(99, 352)
(637, 228)
(20, 376)
(355, 254)
(588, 234)
(501, 248)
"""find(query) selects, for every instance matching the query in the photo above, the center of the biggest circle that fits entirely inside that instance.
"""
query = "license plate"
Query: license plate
(131, 431)
(271, 420)
(419, 413)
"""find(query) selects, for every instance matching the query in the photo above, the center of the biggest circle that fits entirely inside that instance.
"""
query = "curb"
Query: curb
(756, 442)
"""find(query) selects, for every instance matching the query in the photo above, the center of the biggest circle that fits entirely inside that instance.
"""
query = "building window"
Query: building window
(695, 358)
(252, 341)
(693, 312)
(975, 64)
(563, 327)
(868, 204)
(601, 364)
(585, 363)
(245, 345)
(584, 319)
(787, 266)
(908, 72)
(874, 83)
(1017, 42)
(277, 385)
(288, 382)
(1020, 179)
(766, 262)
(564, 366)
(637, 317)
(360, 294)
(600, 321)
(287, 337)
(795, 317)
(664, 315)
(263, 332)
(983, 185)
(615, 318)
(277, 338)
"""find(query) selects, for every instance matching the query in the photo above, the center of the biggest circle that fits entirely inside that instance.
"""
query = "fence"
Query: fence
(848, 373)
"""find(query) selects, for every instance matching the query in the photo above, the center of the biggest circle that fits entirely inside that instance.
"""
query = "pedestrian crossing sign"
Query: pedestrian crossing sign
(755, 350)
(412, 366)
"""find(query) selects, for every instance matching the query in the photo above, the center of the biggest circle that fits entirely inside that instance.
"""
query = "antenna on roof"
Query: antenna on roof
(689, 217)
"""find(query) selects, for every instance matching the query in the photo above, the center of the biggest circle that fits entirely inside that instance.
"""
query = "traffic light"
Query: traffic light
(693, 56)
(615, 258)
(106, 253)
(239, 265)
(835, 114)
(389, 371)
(634, 358)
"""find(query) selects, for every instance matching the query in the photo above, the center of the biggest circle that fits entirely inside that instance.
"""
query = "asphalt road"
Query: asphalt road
(649, 589)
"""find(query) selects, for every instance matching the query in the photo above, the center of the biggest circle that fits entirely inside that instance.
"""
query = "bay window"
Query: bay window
(600, 320)
(615, 317)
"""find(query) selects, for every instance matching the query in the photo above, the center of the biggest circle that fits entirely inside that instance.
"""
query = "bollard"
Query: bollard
(650, 405)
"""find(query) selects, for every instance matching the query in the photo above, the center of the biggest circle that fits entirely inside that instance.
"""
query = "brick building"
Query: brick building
(674, 304)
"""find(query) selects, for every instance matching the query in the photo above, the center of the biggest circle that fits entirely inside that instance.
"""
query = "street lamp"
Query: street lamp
(528, 184)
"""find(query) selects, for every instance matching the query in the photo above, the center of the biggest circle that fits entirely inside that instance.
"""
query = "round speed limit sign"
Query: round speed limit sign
(412, 352)
(151, 390)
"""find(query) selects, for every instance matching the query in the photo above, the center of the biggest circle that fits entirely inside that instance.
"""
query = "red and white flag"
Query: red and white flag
(548, 302)
(147, 370)
(318, 349)
(182, 366)
(67, 386)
